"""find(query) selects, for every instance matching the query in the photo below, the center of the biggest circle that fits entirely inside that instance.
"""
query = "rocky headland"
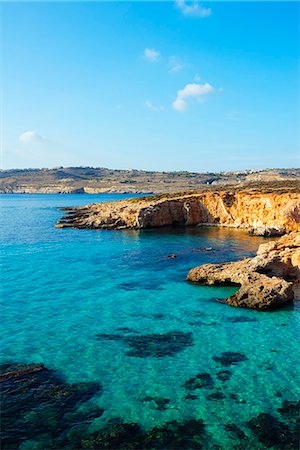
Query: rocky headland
(263, 211)
(266, 281)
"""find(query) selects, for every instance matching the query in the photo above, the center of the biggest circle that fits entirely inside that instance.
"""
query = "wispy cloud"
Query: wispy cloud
(31, 137)
(153, 107)
(151, 54)
(191, 90)
(175, 65)
(193, 9)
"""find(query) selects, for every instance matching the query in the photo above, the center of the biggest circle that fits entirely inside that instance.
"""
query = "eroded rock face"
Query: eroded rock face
(269, 212)
(266, 281)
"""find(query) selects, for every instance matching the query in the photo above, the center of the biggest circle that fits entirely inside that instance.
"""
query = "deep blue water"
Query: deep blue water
(62, 287)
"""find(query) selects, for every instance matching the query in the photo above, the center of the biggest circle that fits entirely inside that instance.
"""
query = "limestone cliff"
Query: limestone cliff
(266, 281)
(234, 208)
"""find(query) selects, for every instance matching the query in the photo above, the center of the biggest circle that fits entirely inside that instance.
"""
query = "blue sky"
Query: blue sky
(151, 85)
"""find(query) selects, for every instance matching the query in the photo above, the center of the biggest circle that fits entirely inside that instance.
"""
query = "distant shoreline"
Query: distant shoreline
(89, 180)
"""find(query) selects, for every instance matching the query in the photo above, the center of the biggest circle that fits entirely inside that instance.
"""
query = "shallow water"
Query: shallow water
(63, 289)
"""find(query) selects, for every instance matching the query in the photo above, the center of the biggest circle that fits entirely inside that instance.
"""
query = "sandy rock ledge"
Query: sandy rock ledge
(266, 281)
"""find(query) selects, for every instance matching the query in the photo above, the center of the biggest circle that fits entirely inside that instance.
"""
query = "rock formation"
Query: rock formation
(250, 209)
(266, 281)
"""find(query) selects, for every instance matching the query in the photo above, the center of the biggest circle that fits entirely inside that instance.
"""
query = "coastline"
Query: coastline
(266, 281)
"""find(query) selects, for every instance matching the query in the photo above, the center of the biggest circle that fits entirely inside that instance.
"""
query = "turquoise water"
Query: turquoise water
(63, 289)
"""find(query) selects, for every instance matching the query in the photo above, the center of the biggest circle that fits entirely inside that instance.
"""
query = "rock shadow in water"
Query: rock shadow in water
(153, 345)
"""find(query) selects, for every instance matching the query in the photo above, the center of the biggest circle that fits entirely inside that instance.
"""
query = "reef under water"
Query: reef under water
(41, 410)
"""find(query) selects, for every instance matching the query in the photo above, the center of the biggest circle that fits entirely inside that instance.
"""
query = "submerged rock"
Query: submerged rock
(153, 345)
(158, 403)
(274, 433)
(265, 281)
(173, 435)
(191, 397)
(224, 375)
(216, 396)
(36, 401)
(241, 319)
(202, 380)
(115, 435)
(290, 411)
(230, 358)
(235, 432)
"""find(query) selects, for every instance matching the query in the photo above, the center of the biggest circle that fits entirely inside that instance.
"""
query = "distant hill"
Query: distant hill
(94, 180)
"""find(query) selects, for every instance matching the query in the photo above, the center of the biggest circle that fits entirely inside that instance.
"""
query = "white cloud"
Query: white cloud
(31, 137)
(174, 64)
(193, 9)
(153, 107)
(191, 90)
(151, 54)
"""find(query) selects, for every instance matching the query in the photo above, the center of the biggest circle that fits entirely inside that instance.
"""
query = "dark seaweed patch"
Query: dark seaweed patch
(126, 330)
(224, 375)
(272, 432)
(172, 435)
(133, 286)
(191, 397)
(158, 403)
(241, 319)
(115, 435)
(235, 432)
(216, 396)
(158, 316)
(153, 345)
(230, 358)
(36, 401)
(202, 380)
(110, 337)
(290, 411)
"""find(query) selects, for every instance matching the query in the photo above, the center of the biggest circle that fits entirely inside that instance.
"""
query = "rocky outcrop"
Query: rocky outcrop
(233, 208)
(266, 281)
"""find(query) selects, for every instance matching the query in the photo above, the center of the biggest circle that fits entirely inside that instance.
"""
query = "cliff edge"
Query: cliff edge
(250, 209)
